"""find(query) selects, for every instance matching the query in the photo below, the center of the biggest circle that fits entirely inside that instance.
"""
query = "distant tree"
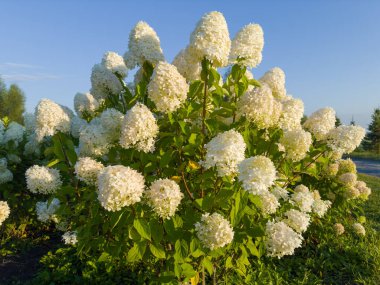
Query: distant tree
(372, 139)
(12, 102)
(338, 122)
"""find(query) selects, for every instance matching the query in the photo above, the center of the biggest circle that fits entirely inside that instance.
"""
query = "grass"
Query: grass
(372, 206)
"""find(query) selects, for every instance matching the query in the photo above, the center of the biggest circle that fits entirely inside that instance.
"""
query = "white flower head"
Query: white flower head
(111, 121)
(296, 143)
(248, 44)
(85, 102)
(303, 198)
(345, 139)
(275, 78)
(320, 207)
(167, 88)
(76, 126)
(297, 220)
(70, 238)
(321, 122)
(187, 66)
(257, 174)
(93, 139)
(281, 239)
(14, 132)
(260, 107)
(115, 63)
(6, 176)
(214, 231)
(4, 211)
(119, 186)
(348, 179)
(104, 82)
(292, 113)
(280, 193)
(46, 211)
(144, 45)
(164, 196)
(51, 118)
(359, 229)
(339, 229)
(363, 189)
(139, 129)
(211, 39)
(225, 151)
(269, 203)
(43, 180)
(87, 170)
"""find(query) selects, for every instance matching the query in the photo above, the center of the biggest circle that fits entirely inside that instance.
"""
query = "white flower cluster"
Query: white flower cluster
(281, 239)
(320, 207)
(297, 220)
(51, 118)
(280, 193)
(321, 122)
(119, 186)
(187, 66)
(5, 174)
(76, 126)
(214, 231)
(211, 39)
(364, 190)
(164, 196)
(292, 113)
(346, 165)
(339, 229)
(269, 203)
(14, 132)
(93, 139)
(43, 180)
(70, 238)
(257, 174)
(111, 121)
(303, 198)
(104, 82)
(296, 143)
(345, 139)
(139, 129)
(4, 211)
(144, 45)
(46, 211)
(225, 151)
(275, 79)
(358, 229)
(87, 170)
(167, 88)
(248, 44)
(260, 107)
(85, 103)
(114, 63)
(348, 179)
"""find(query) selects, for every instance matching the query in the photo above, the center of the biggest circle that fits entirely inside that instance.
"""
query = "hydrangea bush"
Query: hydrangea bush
(184, 173)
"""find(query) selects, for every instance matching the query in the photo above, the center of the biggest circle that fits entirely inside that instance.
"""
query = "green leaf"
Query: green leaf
(53, 162)
(157, 250)
(206, 262)
(157, 230)
(142, 227)
(187, 270)
(136, 252)
(181, 249)
(104, 257)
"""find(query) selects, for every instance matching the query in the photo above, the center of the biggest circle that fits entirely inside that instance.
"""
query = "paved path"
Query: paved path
(367, 166)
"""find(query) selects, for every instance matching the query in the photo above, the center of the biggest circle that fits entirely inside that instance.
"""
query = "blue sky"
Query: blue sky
(329, 50)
